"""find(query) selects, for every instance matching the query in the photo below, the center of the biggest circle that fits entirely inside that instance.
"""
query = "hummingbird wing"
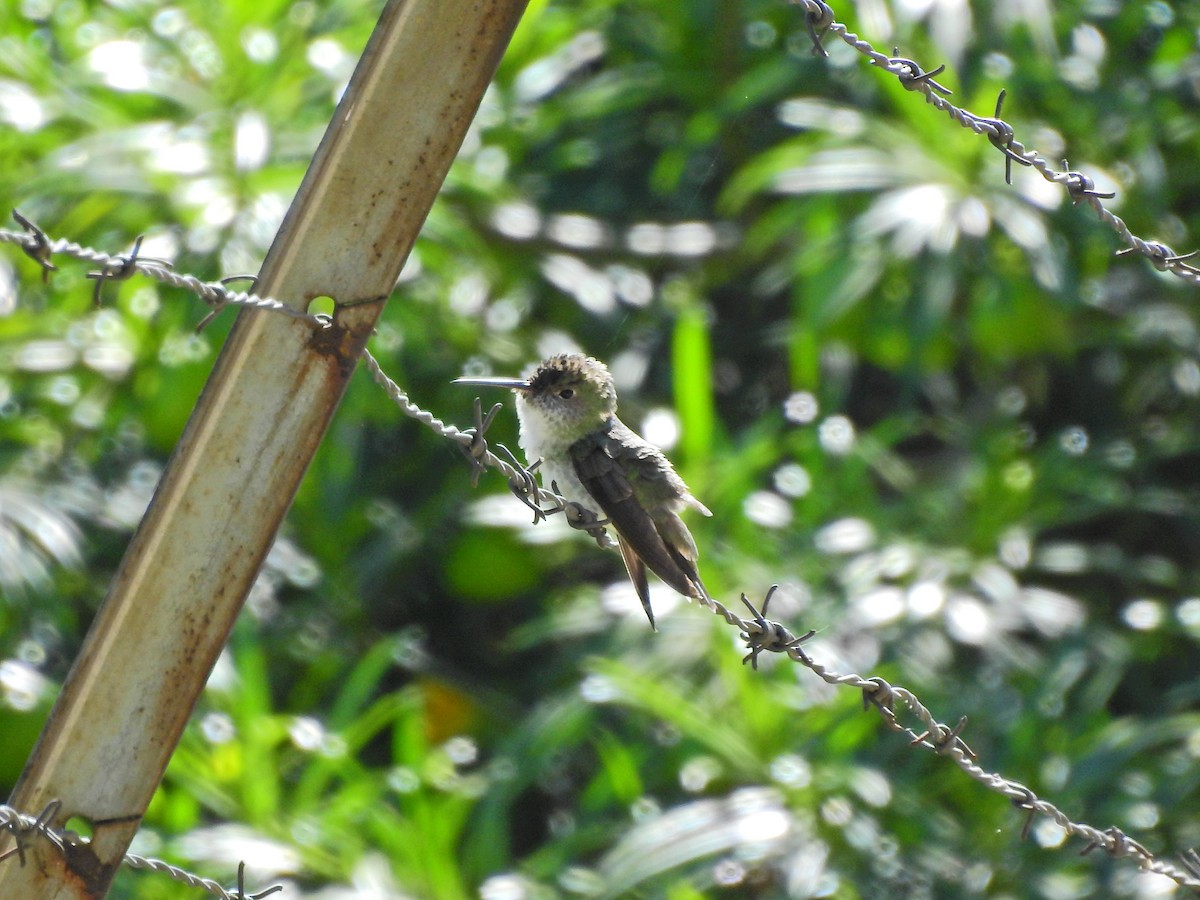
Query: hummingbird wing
(607, 463)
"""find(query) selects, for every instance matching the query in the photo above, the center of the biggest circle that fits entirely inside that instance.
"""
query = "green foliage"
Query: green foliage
(935, 408)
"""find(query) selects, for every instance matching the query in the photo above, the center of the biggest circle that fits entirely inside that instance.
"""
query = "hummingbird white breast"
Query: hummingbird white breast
(542, 438)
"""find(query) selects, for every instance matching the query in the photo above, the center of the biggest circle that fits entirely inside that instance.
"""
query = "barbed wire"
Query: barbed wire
(39, 247)
(760, 633)
(820, 20)
(25, 829)
(946, 741)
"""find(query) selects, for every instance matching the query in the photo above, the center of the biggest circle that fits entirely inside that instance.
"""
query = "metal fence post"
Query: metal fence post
(252, 434)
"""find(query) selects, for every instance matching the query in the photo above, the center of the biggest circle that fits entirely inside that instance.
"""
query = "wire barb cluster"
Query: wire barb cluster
(768, 635)
(818, 17)
(911, 74)
(820, 21)
(27, 829)
(120, 268)
(1002, 135)
(36, 244)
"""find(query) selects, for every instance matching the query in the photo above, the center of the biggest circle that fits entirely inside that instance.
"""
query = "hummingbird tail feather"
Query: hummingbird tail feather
(637, 574)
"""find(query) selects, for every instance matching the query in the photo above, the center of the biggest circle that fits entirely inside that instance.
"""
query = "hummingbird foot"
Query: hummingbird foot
(581, 518)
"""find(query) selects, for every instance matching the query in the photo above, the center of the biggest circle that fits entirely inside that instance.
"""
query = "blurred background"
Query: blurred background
(935, 409)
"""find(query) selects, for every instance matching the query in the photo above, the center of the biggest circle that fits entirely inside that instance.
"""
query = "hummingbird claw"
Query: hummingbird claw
(580, 517)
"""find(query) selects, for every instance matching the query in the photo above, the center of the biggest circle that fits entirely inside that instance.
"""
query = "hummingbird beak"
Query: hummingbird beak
(516, 384)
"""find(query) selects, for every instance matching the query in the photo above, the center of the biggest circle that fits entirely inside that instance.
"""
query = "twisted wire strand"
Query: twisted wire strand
(945, 741)
(820, 17)
(213, 293)
(25, 827)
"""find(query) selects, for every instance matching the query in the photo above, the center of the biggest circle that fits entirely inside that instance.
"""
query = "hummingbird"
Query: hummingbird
(567, 411)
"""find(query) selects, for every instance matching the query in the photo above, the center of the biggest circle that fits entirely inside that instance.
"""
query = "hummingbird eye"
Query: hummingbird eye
(566, 393)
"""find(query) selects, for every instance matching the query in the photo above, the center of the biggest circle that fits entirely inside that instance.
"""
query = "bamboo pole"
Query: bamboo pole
(252, 434)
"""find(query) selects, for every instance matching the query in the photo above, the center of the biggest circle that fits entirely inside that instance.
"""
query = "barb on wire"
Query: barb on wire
(183, 876)
(943, 738)
(912, 76)
(241, 888)
(1002, 136)
(479, 445)
(1080, 186)
(39, 247)
(577, 515)
(36, 246)
(878, 693)
(1121, 844)
(122, 268)
(1026, 800)
(769, 635)
(524, 484)
(1162, 257)
(818, 16)
(25, 829)
(221, 299)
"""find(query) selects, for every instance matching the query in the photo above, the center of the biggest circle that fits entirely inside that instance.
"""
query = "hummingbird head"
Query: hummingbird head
(574, 390)
(568, 396)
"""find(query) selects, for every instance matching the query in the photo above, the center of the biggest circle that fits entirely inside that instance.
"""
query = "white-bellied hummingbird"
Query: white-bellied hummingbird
(567, 412)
